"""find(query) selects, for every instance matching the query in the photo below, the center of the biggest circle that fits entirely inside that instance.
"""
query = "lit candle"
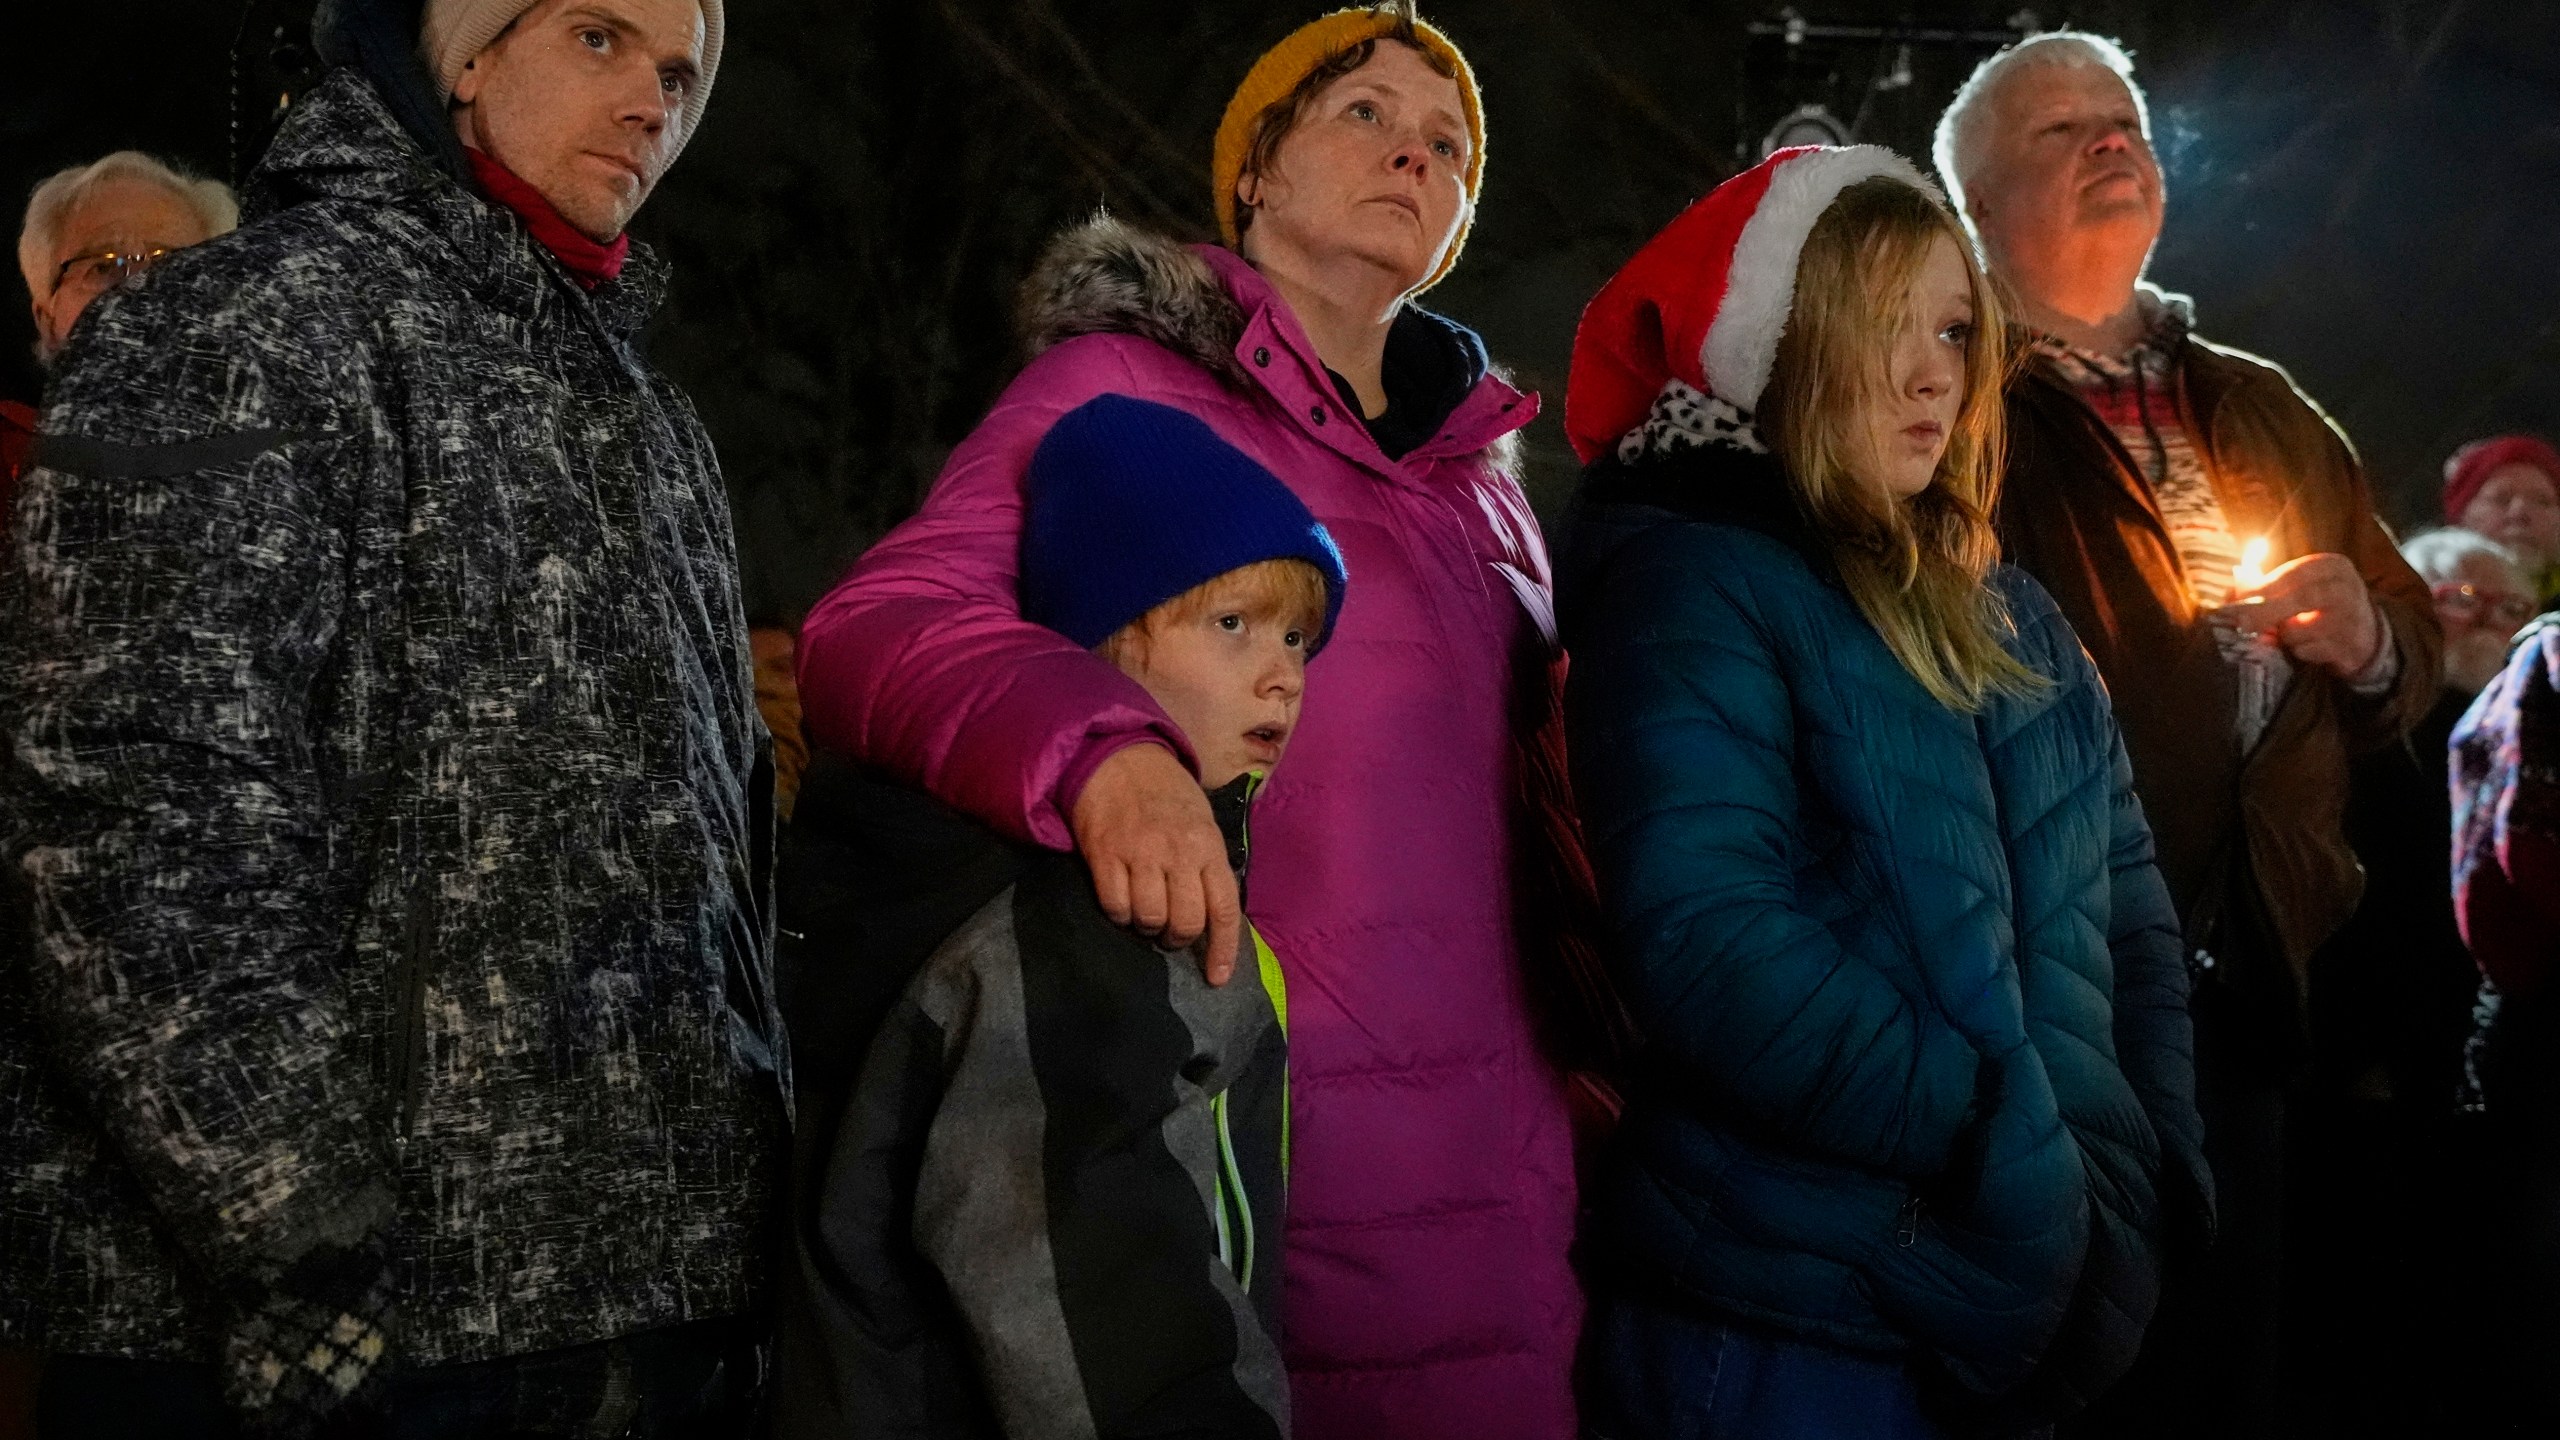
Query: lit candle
(2252, 569)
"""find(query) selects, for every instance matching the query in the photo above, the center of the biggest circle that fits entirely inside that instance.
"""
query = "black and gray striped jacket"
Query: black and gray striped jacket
(383, 783)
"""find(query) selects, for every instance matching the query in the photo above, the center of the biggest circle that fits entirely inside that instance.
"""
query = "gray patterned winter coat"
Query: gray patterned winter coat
(385, 790)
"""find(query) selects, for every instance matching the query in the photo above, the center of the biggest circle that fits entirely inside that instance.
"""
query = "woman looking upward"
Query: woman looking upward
(1431, 1195)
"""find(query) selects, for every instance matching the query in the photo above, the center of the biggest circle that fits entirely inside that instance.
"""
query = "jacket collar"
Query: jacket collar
(1282, 361)
(341, 142)
(2167, 319)
(2202, 377)
(1207, 305)
(1712, 485)
(1230, 804)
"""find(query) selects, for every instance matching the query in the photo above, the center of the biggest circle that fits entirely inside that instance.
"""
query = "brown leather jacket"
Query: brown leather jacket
(2253, 847)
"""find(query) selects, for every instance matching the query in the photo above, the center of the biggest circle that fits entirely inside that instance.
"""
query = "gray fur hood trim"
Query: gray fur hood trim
(1105, 277)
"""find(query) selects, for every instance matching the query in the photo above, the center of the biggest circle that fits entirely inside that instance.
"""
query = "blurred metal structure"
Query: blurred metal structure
(284, 68)
(1800, 75)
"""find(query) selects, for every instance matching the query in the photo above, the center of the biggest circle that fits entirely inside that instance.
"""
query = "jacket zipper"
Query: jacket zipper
(1906, 1230)
(409, 1029)
(1237, 1234)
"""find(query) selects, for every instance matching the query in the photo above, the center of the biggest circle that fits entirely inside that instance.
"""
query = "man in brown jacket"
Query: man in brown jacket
(2211, 535)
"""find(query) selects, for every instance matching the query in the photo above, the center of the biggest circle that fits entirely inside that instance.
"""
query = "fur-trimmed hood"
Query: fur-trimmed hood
(1107, 277)
(1104, 277)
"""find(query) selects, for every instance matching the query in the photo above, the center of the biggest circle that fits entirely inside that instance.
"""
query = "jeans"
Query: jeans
(1654, 1373)
(696, 1381)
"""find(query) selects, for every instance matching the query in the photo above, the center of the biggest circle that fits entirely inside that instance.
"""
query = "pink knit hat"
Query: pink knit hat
(2473, 464)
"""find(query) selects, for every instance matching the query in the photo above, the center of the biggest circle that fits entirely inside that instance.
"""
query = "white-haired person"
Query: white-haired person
(88, 228)
(2210, 534)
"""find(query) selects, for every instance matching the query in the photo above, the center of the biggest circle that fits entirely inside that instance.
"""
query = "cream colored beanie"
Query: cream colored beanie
(452, 33)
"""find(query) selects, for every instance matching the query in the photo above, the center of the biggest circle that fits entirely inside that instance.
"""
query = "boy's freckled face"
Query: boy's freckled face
(1232, 679)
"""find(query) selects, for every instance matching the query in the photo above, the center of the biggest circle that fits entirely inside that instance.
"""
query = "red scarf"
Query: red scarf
(589, 263)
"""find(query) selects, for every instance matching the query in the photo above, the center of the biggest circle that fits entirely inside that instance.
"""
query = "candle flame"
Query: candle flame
(2252, 569)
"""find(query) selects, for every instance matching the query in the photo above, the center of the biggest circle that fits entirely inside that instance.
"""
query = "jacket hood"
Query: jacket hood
(1107, 278)
(2168, 320)
(343, 141)
(379, 40)
(2165, 313)
(1104, 277)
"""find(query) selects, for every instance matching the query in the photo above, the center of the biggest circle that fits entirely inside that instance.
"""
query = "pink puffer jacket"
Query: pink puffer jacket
(1431, 1192)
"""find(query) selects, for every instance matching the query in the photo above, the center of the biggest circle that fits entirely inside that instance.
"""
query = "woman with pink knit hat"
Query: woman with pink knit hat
(1431, 1197)
(2507, 487)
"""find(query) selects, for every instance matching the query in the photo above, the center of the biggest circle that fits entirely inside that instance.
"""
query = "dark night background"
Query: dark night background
(2367, 191)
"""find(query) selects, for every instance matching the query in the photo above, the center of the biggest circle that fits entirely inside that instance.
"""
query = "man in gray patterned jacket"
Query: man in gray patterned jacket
(385, 1046)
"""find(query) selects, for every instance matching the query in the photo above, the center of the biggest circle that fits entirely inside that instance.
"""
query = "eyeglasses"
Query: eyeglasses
(2470, 603)
(102, 268)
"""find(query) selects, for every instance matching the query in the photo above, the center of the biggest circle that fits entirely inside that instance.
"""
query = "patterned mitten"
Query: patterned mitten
(320, 1330)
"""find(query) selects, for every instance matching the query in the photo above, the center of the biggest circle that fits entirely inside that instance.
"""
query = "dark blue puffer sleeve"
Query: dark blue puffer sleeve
(1684, 756)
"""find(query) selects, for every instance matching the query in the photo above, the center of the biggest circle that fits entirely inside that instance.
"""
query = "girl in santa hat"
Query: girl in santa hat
(1915, 1118)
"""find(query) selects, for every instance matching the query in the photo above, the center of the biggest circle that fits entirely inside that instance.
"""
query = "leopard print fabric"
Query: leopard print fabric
(1684, 418)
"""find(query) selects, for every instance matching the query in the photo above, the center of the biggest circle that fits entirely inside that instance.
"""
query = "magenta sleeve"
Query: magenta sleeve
(919, 661)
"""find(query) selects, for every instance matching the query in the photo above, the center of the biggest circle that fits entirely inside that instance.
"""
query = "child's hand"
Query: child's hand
(1159, 864)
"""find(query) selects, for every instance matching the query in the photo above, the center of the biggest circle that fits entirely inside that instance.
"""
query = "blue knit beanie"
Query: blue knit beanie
(1131, 503)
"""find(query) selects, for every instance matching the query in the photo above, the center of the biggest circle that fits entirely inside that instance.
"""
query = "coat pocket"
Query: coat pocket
(409, 1021)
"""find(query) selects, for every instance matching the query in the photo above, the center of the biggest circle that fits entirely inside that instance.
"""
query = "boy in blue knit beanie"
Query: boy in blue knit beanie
(1050, 1200)
(1181, 560)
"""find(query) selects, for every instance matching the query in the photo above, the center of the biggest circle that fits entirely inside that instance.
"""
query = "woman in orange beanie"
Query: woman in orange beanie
(1431, 1191)
(1346, 167)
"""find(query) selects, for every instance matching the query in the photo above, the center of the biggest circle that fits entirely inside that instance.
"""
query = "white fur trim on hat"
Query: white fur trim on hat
(1760, 285)
(452, 33)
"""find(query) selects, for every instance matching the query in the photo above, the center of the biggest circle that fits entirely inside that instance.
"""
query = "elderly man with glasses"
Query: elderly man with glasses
(93, 225)
(88, 228)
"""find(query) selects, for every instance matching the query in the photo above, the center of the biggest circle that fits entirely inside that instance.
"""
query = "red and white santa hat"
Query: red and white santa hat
(1704, 302)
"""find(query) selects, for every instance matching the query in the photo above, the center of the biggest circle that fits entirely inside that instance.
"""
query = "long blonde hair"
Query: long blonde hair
(1915, 567)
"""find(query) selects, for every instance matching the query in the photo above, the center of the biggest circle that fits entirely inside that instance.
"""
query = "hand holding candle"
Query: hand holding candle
(2316, 607)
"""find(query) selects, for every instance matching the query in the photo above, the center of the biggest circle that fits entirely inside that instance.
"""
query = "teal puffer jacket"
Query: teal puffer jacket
(1918, 1067)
